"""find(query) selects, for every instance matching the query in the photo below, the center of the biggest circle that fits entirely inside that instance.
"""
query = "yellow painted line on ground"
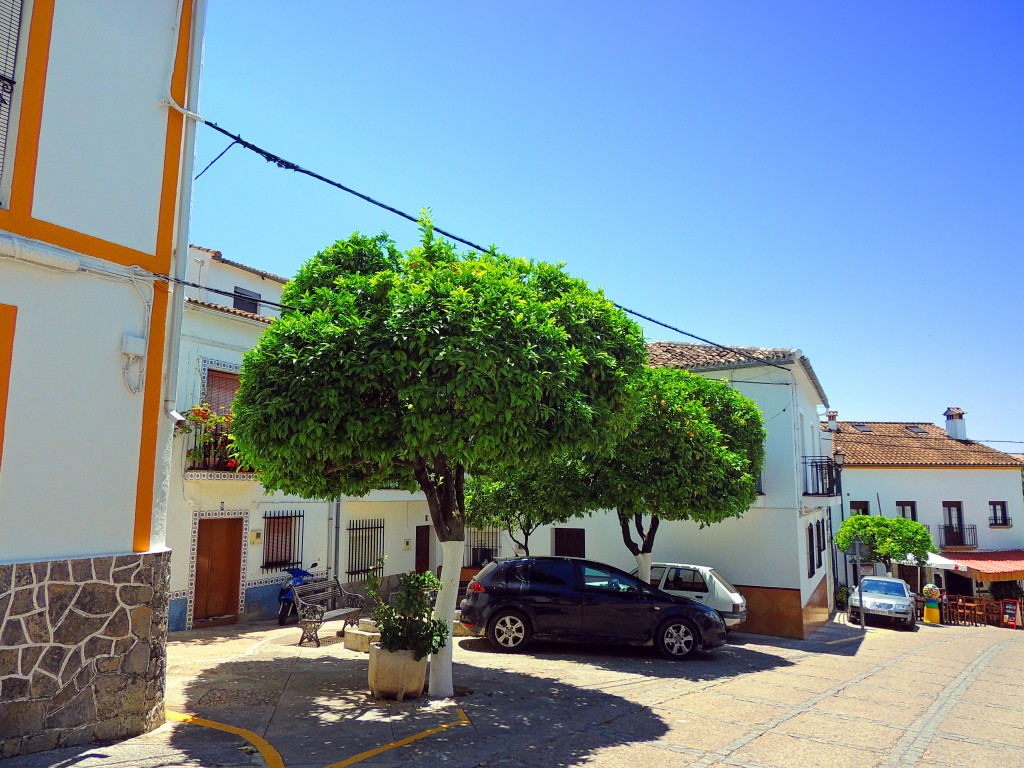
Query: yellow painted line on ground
(270, 755)
(463, 720)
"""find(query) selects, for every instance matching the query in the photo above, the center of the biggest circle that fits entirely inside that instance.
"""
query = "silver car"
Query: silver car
(884, 596)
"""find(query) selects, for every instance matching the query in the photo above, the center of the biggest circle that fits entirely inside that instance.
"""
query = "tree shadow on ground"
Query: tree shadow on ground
(702, 666)
(316, 711)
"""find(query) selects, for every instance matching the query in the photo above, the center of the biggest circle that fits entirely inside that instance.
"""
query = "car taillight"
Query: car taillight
(475, 586)
(737, 607)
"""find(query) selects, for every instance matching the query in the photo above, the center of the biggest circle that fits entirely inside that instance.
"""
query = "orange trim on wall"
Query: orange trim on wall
(18, 219)
(8, 316)
(152, 407)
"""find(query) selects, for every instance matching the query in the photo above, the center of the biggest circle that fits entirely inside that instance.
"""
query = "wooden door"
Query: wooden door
(218, 571)
(570, 542)
(422, 548)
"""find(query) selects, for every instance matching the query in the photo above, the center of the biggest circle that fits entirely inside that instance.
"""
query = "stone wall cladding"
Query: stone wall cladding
(82, 650)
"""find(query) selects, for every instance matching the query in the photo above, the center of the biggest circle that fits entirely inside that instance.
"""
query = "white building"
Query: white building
(967, 494)
(95, 174)
(230, 538)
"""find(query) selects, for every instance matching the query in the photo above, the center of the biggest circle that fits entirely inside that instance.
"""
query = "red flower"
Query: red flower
(232, 463)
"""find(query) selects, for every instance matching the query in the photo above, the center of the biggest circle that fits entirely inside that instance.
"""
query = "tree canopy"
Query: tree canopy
(887, 539)
(406, 366)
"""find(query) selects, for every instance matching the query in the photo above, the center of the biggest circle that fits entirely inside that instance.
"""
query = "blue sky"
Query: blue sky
(847, 179)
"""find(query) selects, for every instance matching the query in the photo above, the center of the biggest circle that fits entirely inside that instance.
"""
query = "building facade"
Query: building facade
(95, 174)
(966, 493)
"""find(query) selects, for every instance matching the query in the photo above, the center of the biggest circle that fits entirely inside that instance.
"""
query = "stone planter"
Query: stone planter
(395, 674)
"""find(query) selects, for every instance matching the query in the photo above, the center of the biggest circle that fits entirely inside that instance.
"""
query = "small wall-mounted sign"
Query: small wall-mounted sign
(407, 545)
(255, 537)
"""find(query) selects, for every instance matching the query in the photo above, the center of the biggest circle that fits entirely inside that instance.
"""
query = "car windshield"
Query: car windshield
(884, 587)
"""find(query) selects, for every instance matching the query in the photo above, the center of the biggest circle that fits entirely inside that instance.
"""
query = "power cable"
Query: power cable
(288, 165)
(218, 157)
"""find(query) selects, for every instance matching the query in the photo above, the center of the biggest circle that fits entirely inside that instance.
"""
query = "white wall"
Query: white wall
(71, 448)
(930, 487)
(103, 120)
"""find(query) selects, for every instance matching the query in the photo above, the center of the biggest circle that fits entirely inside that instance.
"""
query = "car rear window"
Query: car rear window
(723, 581)
(657, 571)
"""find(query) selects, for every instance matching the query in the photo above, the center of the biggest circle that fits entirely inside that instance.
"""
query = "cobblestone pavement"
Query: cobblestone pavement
(939, 697)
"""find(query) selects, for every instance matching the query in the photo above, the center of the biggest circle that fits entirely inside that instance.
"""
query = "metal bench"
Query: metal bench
(312, 601)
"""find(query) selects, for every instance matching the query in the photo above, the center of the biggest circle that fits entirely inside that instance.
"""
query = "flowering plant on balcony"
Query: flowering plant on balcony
(212, 442)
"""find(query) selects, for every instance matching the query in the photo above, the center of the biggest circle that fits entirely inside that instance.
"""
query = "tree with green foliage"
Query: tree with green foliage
(887, 539)
(419, 367)
(694, 453)
(525, 501)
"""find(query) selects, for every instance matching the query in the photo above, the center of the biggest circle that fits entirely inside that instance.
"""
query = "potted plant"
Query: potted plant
(842, 596)
(408, 635)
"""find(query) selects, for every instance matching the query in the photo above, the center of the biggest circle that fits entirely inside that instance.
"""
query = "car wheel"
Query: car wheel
(509, 631)
(677, 639)
(851, 617)
(910, 624)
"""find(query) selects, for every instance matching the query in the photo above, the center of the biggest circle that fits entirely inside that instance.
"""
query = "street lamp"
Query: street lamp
(838, 456)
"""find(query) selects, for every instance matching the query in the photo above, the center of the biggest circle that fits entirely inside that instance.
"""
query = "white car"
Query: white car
(703, 584)
(886, 597)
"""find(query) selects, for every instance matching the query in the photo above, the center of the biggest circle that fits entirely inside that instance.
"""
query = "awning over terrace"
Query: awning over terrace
(937, 561)
(1005, 565)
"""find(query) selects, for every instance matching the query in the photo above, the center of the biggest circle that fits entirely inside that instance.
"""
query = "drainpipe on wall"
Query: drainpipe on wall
(184, 209)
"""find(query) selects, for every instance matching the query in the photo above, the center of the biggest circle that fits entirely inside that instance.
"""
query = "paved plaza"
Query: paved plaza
(248, 696)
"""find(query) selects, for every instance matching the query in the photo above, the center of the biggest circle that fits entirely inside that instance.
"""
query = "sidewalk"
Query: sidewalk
(935, 697)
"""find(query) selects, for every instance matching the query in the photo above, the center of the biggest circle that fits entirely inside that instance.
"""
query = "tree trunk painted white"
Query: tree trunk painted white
(643, 565)
(441, 685)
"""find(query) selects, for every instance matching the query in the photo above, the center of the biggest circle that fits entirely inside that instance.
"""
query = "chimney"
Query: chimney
(956, 427)
(833, 421)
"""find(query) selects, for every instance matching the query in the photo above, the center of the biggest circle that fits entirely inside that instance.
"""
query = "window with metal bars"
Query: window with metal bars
(10, 28)
(481, 546)
(282, 540)
(365, 547)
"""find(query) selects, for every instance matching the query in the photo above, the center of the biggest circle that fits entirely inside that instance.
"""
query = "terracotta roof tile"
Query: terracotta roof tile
(707, 357)
(694, 357)
(893, 443)
(230, 310)
(218, 256)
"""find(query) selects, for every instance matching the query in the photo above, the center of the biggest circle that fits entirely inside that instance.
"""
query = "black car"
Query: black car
(564, 598)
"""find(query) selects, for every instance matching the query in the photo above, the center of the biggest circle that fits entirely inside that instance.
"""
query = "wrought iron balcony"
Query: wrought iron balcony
(208, 442)
(958, 536)
(821, 476)
(1000, 521)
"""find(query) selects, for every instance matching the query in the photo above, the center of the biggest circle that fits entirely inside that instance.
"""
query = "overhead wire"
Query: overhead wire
(288, 165)
(285, 164)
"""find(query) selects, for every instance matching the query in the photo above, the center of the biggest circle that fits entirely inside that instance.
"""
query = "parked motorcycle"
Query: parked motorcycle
(286, 597)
